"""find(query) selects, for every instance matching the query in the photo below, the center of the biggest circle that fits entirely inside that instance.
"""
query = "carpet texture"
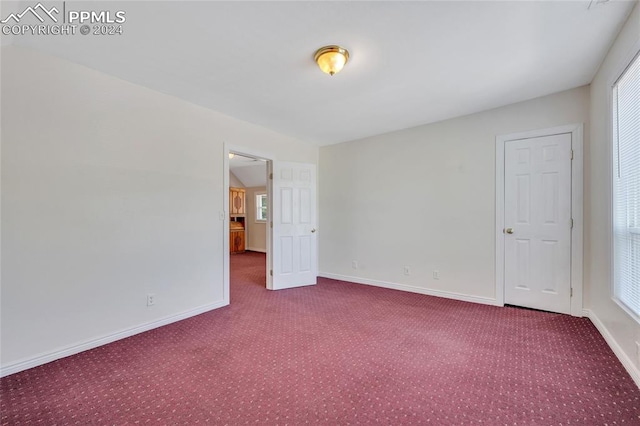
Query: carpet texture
(336, 353)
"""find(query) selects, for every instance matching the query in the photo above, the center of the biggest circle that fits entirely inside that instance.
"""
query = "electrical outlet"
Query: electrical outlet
(638, 352)
(354, 264)
(151, 299)
(406, 270)
(436, 274)
(221, 215)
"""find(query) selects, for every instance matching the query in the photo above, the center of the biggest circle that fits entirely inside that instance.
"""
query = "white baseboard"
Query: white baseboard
(260, 250)
(628, 364)
(94, 343)
(412, 289)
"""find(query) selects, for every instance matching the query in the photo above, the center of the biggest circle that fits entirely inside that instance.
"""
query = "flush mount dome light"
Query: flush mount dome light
(331, 59)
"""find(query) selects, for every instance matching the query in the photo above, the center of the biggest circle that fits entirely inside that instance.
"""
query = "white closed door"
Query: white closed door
(294, 236)
(538, 223)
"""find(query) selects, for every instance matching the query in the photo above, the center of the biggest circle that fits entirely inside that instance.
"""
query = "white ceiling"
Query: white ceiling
(411, 62)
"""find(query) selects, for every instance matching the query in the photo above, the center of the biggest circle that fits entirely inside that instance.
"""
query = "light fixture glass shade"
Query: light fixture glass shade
(331, 59)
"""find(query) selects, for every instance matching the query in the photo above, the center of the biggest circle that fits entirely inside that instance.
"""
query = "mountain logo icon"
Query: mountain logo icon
(38, 11)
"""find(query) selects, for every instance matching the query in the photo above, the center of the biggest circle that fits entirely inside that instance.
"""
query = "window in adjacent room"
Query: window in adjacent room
(261, 207)
(626, 189)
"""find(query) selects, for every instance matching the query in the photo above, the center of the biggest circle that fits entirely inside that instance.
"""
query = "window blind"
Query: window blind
(626, 188)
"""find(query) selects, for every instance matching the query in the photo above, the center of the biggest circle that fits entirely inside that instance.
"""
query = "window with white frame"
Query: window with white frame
(626, 188)
(261, 207)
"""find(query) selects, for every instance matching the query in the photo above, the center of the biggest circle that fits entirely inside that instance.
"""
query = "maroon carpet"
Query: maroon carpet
(336, 353)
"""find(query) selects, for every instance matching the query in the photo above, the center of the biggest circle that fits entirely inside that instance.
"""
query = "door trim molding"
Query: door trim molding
(576, 131)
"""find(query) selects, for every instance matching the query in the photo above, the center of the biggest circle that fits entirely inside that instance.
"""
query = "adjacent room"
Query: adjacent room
(344, 212)
(248, 209)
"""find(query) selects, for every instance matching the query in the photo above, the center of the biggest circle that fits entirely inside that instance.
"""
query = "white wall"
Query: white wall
(425, 197)
(256, 231)
(620, 329)
(110, 191)
(234, 181)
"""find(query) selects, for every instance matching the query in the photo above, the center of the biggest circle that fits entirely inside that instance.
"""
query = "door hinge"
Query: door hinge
(571, 292)
(271, 272)
(271, 224)
(571, 223)
(271, 176)
(572, 154)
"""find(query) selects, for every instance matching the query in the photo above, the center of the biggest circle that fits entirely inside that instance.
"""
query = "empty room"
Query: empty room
(320, 212)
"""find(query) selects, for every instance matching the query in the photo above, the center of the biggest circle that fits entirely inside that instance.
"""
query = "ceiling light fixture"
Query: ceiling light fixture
(231, 155)
(331, 59)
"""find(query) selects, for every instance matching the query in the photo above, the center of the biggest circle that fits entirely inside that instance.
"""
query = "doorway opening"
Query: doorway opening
(291, 221)
(246, 224)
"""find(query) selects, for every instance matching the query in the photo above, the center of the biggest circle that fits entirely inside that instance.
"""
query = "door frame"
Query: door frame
(251, 153)
(576, 131)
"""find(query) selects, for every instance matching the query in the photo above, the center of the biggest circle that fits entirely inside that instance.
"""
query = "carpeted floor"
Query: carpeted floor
(336, 353)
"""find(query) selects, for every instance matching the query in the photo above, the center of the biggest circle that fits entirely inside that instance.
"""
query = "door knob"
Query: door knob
(509, 230)
(313, 230)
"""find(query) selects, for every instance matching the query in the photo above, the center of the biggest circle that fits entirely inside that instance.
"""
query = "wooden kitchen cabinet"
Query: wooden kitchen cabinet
(236, 237)
(237, 202)
(237, 215)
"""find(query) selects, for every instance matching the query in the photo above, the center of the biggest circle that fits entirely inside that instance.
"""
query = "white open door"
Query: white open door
(293, 235)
